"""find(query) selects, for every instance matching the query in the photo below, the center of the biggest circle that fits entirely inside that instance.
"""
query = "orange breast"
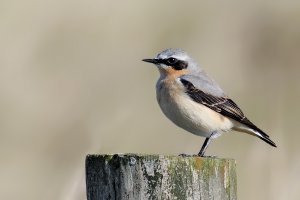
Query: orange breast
(172, 72)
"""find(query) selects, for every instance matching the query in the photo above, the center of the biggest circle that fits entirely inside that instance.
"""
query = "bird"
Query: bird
(195, 102)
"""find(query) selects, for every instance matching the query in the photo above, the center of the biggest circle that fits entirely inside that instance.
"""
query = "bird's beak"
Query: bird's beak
(154, 61)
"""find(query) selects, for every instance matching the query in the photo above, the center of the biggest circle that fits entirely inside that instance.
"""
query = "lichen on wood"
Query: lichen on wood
(132, 176)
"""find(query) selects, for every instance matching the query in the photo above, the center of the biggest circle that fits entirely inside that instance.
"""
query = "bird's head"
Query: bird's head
(174, 61)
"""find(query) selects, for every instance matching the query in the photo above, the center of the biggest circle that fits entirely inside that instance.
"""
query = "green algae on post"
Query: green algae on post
(138, 176)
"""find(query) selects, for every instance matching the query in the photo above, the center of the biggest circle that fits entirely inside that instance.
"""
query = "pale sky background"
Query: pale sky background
(72, 83)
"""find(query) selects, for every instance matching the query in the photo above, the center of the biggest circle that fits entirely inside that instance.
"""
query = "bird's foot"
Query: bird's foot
(211, 156)
(184, 155)
(189, 155)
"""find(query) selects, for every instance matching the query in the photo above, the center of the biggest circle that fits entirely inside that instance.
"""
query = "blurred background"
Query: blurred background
(72, 83)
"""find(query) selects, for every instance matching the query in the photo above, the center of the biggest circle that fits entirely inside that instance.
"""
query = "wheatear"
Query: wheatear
(195, 102)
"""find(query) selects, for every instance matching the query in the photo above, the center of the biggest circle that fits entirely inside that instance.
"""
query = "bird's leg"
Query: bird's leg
(204, 147)
(205, 144)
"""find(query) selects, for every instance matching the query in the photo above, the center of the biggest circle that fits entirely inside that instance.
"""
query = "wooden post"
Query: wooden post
(133, 176)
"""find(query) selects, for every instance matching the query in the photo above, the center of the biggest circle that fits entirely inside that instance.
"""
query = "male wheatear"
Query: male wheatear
(195, 102)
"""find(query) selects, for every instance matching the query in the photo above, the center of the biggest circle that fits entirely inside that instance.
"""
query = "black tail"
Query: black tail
(262, 135)
(253, 130)
(267, 140)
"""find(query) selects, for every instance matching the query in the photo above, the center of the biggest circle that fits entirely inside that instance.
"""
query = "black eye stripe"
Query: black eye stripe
(172, 61)
(178, 65)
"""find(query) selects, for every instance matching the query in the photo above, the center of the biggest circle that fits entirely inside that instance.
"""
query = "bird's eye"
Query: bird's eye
(172, 61)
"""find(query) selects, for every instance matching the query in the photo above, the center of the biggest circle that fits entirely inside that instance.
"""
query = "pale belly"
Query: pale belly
(189, 115)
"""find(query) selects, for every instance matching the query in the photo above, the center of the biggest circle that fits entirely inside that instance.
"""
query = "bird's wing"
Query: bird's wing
(203, 81)
(220, 104)
(212, 96)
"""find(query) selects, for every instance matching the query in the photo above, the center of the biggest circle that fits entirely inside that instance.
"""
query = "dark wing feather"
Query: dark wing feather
(222, 105)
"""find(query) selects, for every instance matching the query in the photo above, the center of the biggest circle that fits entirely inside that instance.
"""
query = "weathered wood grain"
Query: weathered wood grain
(133, 176)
